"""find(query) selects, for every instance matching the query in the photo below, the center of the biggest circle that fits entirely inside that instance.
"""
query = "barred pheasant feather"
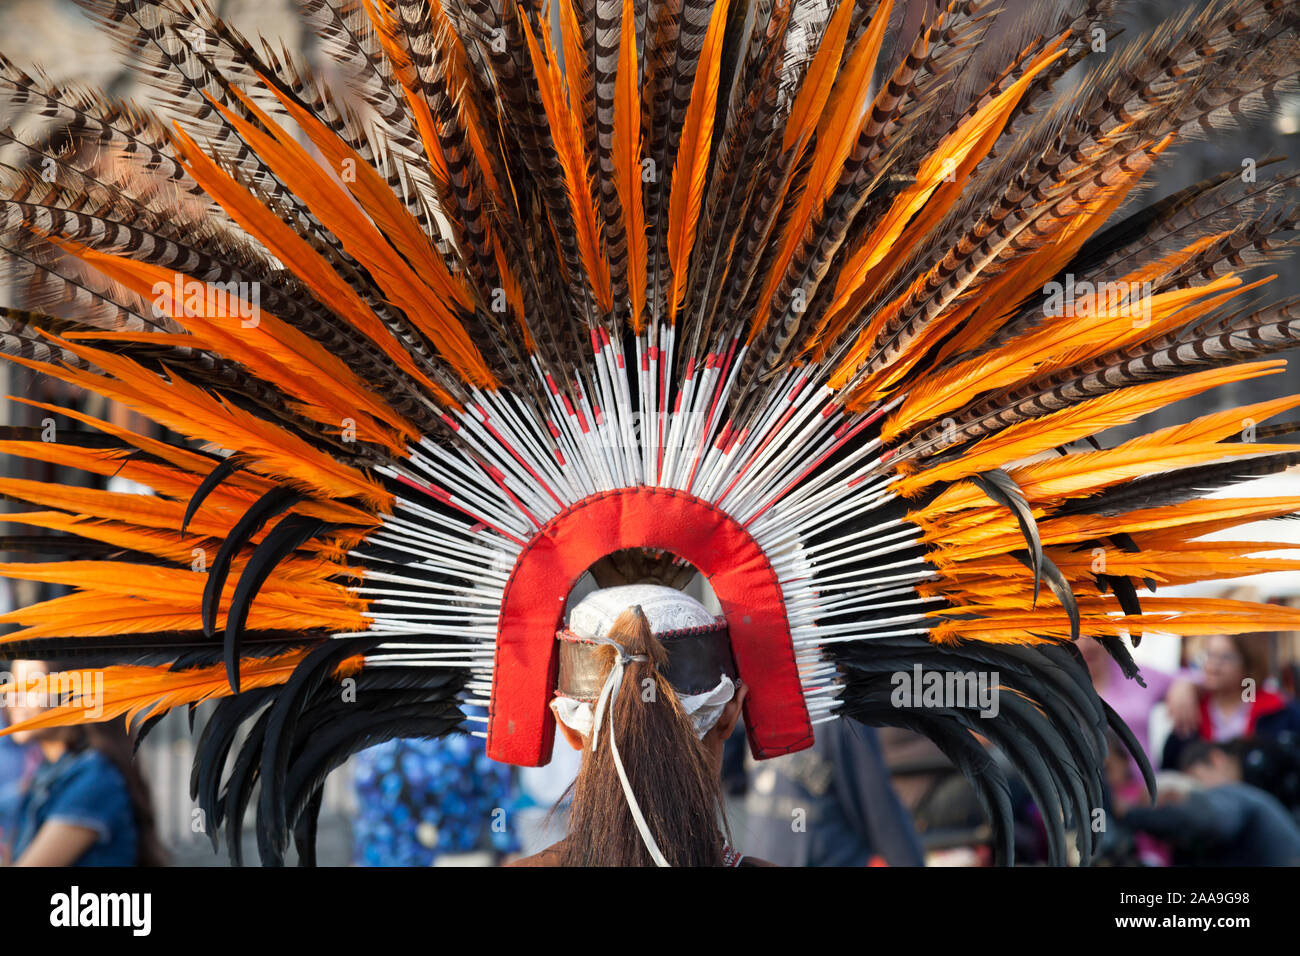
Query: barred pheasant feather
(829, 301)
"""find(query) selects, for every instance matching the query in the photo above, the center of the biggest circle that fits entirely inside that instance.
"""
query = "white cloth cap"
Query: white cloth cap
(667, 609)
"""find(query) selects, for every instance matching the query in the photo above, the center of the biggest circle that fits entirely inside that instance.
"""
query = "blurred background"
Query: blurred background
(401, 804)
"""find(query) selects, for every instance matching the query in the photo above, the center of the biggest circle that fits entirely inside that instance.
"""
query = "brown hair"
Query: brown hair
(670, 772)
(1253, 649)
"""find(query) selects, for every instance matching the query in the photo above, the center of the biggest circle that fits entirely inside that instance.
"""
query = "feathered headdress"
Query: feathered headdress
(815, 297)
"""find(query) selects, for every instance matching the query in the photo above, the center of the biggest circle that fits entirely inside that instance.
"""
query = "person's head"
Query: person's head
(1228, 659)
(715, 736)
(24, 676)
(671, 759)
(1211, 764)
(35, 687)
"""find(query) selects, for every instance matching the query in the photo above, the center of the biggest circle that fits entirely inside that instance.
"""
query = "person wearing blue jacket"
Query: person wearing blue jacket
(831, 805)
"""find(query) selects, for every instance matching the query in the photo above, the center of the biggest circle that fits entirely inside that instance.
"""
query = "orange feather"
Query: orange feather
(283, 242)
(570, 152)
(187, 409)
(626, 149)
(429, 298)
(381, 18)
(837, 130)
(141, 692)
(1087, 418)
(942, 176)
(815, 88)
(692, 162)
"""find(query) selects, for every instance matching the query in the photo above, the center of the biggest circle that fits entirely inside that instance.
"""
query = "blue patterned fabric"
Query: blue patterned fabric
(420, 799)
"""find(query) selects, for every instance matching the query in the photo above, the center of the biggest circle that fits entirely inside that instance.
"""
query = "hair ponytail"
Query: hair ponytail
(670, 772)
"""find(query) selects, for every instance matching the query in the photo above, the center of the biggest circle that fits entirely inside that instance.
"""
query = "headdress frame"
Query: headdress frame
(521, 727)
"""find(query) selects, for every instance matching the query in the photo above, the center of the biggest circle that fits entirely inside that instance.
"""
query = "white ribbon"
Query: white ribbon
(609, 694)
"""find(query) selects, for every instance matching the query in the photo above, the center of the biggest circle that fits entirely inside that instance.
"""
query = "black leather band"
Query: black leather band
(696, 662)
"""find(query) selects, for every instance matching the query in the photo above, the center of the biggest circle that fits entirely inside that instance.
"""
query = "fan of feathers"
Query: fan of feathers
(731, 168)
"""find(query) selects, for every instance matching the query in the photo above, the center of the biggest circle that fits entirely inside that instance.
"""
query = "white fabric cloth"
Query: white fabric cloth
(667, 609)
(703, 709)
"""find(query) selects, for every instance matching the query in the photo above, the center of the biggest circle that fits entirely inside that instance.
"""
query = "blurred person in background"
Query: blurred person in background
(1133, 702)
(831, 805)
(1232, 701)
(86, 803)
(433, 803)
(545, 797)
(1120, 844)
(17, 763)
(1273, 765)
(1217, 819)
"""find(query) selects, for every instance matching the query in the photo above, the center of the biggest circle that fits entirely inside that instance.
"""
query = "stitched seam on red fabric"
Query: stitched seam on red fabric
(780, 596)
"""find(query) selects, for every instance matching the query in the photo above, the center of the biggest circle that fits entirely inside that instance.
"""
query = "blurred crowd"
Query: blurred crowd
(1222, 732)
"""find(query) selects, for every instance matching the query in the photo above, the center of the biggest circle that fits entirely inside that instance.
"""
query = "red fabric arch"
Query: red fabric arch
(521, 728)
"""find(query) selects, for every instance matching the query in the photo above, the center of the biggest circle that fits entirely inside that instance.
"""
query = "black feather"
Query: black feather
(261, 511)
(223, 470)
(283, 540)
